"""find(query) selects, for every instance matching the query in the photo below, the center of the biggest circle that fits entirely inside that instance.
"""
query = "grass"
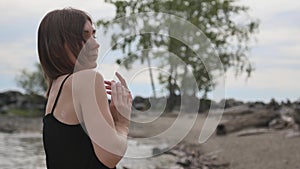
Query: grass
(24, 112)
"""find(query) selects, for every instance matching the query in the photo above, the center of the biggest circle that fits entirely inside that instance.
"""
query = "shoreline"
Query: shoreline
(12, 124)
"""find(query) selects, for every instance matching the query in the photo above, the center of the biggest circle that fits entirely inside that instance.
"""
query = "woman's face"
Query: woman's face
(89, 53)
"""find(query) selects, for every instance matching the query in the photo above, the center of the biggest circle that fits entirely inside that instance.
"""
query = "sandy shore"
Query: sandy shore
(272, 149)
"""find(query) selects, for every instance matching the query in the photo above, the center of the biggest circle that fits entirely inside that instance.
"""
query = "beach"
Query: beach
(274, 149)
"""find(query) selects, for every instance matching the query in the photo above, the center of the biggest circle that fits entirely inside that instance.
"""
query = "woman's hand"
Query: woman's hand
(121, 101)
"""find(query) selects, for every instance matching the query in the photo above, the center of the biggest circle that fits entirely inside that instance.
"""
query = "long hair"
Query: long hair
(60, 36)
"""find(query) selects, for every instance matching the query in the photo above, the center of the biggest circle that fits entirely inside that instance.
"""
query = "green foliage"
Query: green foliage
(32, 82)
(215, 18)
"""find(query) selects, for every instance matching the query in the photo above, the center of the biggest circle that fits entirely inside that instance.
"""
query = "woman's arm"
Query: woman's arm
(109, 138)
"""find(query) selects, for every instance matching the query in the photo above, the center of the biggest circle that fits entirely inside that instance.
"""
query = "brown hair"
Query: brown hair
(60, 35)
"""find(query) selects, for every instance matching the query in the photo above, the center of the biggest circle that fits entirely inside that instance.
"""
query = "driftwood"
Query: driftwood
(238, 110)
(259, 118)
(253, 132)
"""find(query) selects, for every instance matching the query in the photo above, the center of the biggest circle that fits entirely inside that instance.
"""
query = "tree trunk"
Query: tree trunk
(150, 73)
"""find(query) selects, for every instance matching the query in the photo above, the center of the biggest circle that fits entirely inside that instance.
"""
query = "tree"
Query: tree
(32, 82)
(215, 18)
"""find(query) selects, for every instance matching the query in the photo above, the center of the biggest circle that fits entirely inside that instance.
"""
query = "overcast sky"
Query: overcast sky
(275, 55)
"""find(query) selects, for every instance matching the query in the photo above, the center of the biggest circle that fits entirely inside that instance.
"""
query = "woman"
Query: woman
(81, 130)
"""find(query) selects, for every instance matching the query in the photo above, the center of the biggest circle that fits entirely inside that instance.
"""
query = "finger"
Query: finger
(108, 87)
(129, 101)
(108, 92)
(128, 93)
(114, 94)
(124, 94)
(119, 92)
(122, 80)
(129, 98)
(107, 82)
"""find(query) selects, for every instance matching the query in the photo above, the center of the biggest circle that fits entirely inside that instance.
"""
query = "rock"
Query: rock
(184, 162)
(190, 156)
(165, 161)
(296, 115)
(155, 151)
(14, 100)
(230, 103)
(4, 109)
(10, 97)
(221, 130)
(140, 103)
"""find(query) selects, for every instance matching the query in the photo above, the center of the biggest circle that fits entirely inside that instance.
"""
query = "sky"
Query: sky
(275, 54)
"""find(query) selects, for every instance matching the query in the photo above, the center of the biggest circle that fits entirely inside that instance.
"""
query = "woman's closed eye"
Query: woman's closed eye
(88, 34)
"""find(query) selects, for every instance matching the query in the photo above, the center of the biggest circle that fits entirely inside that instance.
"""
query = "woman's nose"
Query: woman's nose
(92, 43)
(98, 45)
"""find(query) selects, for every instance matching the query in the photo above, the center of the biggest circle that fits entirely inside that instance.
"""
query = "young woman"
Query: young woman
(81, 129)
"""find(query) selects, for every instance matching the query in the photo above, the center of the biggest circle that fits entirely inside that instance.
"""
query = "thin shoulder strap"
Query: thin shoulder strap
(58, 94)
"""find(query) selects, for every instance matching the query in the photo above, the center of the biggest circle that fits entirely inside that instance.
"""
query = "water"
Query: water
(25, 151)
(21, 151)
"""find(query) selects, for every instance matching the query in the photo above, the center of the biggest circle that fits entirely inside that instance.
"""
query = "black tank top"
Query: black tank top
(67, 146)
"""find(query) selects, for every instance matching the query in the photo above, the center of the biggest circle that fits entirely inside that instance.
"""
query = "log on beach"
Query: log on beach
(259, 118)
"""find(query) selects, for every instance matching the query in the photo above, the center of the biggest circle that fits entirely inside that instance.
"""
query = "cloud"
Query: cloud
(14, 57)
(267, 9)
(291, 52)
(139, 74)
(278, 36)
(276, 54)
(278, 25)
(17, 55)
(276, 79)
(37, 9)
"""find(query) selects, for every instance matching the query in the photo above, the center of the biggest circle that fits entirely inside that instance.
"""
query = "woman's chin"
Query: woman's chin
(93, 65)
(89, 66)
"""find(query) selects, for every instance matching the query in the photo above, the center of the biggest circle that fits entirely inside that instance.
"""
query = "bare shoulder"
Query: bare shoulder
(86, 76)
(86, 79)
